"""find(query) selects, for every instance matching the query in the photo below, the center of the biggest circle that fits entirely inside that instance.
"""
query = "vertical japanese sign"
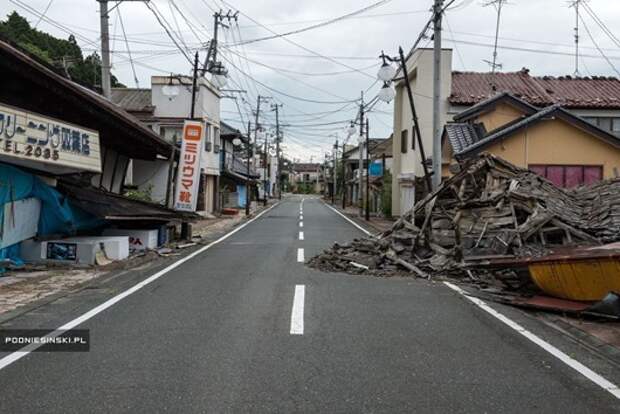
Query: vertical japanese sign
(188, 174)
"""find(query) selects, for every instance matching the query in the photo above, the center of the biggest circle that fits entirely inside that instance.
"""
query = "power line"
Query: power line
(44, 13)
(133, 68)
(161, 23)
(585, 26)
(316, 26)
(298, 45)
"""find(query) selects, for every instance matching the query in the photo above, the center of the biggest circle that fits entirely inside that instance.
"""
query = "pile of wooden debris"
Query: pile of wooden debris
(488, 211)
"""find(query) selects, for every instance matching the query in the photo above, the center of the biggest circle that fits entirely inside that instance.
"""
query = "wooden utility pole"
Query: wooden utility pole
(360, 147)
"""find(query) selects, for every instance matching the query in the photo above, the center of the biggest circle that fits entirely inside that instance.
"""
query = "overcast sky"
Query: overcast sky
(546, 27)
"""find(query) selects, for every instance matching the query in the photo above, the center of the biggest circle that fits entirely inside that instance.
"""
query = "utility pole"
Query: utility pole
(438, 10)
(266, 170)
(278, 184)
(194, 87)
(248, 200)
(211, 64)
(344, 176)
(367, 170)
(259, 100)
(498, 8)
(360, 147)
(335, 175)
(106, 67)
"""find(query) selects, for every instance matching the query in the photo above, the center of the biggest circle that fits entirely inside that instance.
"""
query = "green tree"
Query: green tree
(65, 55)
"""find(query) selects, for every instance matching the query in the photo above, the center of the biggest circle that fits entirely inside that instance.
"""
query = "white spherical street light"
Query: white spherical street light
(170, 91)
(220, 80)
(386, 72)
(387, 93)
(236, 142)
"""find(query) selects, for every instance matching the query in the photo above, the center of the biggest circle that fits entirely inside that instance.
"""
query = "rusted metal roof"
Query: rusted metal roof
(470, 88)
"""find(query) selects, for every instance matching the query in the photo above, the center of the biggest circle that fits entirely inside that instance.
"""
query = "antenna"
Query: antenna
(575, 4)
(498, 8)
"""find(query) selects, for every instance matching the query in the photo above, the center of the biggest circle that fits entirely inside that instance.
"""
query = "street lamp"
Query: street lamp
(386, 72)
(387, 93)
(351, 130)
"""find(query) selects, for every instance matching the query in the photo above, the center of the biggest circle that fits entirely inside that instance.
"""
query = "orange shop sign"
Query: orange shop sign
(188, 173)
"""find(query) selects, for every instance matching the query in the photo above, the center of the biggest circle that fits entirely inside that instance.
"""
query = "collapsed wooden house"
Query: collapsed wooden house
(488, 210)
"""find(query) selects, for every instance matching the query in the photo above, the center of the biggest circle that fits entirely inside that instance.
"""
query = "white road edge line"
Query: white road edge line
(300, 255)
(15, 356)
(301, 235)
(297, 313)
(351, 221)
(301, 224)
(574, 364)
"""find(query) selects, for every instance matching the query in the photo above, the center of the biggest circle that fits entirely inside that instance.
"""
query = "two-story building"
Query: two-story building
(164, 108)
(596, 99)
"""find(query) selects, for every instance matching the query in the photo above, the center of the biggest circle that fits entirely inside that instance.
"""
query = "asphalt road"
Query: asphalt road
(221, 333)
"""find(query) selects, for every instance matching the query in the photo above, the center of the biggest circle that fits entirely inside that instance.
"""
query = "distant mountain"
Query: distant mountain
(65, 55)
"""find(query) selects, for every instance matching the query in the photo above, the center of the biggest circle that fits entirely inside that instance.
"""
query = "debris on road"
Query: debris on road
(488, 212)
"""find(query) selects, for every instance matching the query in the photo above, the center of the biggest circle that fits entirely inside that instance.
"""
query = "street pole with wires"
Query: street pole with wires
(344, 176)
(194, 87)
(360, 196)
(367, 170)
(335, 175)
(248, 200)
(438, 11)
(277, 183)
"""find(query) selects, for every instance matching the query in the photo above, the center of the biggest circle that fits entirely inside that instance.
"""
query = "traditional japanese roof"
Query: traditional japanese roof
(31, 85)
(133, 99)
(461, 136)
(489, 104)
(554, 111)
(470, 88)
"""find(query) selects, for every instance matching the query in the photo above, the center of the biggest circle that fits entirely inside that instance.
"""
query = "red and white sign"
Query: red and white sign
(188, 173)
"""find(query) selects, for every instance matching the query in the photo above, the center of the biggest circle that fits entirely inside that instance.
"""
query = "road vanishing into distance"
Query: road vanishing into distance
(245, 326)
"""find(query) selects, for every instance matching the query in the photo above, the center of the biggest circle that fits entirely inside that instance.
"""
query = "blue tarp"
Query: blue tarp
(58, 215)
(241, 196)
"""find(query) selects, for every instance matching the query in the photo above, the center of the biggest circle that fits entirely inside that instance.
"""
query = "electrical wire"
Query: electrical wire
(133, 68)
(316, 26)
(49, 4)
(585, 26)
(161, 23)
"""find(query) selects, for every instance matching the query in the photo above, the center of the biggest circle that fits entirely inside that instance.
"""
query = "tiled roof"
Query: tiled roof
(132, 99)
(461, 136)
(469, 88)
(553, 110)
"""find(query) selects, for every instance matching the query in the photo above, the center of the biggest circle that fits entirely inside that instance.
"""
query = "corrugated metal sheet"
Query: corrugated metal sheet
(133, 100)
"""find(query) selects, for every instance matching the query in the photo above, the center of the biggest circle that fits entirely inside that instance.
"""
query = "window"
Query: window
(615, 124)
(569, 175)
(403, 141)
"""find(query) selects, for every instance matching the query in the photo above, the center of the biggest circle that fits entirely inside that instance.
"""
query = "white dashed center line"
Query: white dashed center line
(301, 224)
(297, 313)
(300, 255)
(301, 235)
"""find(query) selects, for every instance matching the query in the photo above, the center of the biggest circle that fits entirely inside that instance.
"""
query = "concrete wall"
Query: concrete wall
(408, 164)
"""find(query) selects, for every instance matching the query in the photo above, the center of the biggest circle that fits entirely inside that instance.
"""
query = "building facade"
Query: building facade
(596, 99)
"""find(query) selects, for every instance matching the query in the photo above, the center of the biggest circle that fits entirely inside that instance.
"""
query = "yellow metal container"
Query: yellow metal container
(577, 278)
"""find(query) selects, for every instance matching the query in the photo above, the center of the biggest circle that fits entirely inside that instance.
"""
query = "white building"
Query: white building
(164, 108)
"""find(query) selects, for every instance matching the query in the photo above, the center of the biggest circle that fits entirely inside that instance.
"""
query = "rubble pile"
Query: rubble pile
(489, 210)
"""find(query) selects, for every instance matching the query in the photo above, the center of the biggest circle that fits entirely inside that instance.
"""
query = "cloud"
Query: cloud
(527, 24)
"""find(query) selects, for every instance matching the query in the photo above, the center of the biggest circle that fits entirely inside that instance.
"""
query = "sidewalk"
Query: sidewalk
(39, 284)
